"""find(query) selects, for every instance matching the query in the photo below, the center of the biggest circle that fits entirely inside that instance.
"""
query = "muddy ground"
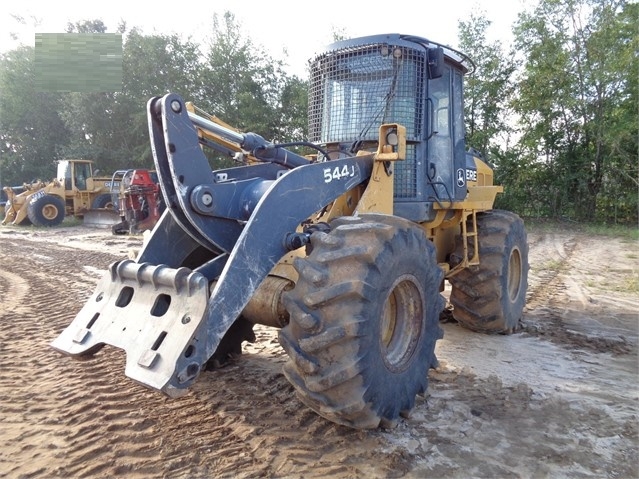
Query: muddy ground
(560, 398)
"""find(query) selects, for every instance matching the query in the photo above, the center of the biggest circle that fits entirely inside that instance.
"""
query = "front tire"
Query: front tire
(364, 320)
(46, 210)
(491, 296)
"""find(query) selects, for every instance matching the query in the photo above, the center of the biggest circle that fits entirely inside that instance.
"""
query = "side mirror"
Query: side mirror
(435, 62)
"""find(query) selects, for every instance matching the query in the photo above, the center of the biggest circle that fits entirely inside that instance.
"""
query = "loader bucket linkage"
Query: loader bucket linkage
(241, 218)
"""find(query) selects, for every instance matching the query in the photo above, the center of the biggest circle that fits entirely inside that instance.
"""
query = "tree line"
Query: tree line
(555, 112)
(229, 77)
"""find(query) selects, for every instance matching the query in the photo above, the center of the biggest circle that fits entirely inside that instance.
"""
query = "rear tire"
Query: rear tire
(491, 296)
(47, 210)
(230, 346)
(364, 320)
(104, 200)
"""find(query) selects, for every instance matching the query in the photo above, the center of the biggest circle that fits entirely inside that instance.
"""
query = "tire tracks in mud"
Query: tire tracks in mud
(543, 315)
(547, 282)
(68, 418)
(47, 287)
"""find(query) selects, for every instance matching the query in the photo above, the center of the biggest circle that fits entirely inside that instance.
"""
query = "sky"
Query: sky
(299, 28)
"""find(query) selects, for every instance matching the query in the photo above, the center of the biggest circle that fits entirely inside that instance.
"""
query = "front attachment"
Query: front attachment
(153, 313)
(229, 228)
(100, 218)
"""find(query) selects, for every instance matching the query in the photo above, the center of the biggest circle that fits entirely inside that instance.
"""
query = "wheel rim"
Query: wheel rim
(50, 212)
(401, 323)
(514, 274)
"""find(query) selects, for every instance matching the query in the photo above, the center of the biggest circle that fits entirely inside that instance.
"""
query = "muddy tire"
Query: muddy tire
(104, 200)
(47, 210)
(364, 320)
(490, 297)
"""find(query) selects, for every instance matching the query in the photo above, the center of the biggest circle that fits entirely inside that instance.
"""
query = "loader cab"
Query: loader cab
(75, 174)
(357, 85)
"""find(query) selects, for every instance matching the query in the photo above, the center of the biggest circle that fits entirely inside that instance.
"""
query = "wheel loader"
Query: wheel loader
(127, 201)
(73, 192)
(346, 249)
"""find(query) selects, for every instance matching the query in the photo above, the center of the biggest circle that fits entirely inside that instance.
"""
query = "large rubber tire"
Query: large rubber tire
(105, 200)
(490, 297)
(364, 320)
(46, 210)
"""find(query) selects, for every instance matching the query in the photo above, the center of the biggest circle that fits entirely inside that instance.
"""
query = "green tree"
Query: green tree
(89, 116)
(489, 116)
(233, 79)
(246, 87)
(577, 85)
(87, 26)
(32, 133)
(112, 127)
(619, 133)
(488, 89)
(293, 110)
(153, 66)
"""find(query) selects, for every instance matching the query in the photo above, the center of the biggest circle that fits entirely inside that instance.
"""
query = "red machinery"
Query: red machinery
(139, 202)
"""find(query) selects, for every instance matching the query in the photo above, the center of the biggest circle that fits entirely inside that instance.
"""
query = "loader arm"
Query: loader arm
(160, 312)
(17, 204)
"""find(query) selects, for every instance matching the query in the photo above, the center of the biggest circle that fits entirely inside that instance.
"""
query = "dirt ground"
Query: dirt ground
(558, 399)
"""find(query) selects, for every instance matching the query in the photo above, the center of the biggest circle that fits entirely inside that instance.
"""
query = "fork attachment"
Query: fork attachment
(153, 313)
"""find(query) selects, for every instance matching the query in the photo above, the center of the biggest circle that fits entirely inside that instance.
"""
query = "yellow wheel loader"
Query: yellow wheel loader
(73, 192)
(345, 250)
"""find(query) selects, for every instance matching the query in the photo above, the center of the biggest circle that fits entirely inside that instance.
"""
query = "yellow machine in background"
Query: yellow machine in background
(73, 192)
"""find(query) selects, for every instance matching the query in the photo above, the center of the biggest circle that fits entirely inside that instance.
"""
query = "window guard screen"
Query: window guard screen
(355, 90)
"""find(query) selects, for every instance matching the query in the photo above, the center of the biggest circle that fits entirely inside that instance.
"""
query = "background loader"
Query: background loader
(73, 192)
(346, 250)
(128, 202)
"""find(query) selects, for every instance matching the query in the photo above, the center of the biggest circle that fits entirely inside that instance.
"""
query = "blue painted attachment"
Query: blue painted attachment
(232, 226)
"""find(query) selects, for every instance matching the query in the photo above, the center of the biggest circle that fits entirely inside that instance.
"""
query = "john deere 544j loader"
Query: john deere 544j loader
(346, 250)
